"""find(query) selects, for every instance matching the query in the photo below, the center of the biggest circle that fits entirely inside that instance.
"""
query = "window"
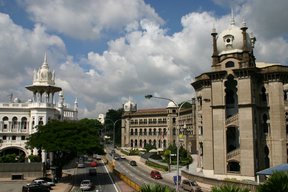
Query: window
(154, 131)
(229, 64)
(14, 137)
(14, 122)
(4, 137)
(22, 138)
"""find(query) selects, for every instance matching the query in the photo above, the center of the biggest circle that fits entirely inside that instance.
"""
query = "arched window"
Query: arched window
(5, 122)
(164, 144)
(265, 124)
(140, 143)
(131, 132)
(154, 131)
(140, 132)
(229, 64)
(14, 122)
(135, 143)
(23, 123)
(233, 166)
(131, 143)
(154, 143)
(136, 132)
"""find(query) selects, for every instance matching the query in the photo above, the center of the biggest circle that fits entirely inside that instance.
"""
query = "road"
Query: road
(138, 174)
(102, 181)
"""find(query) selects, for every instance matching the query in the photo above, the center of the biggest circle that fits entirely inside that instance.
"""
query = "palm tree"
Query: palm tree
(278, 181)
(229, 188)
(155, 188)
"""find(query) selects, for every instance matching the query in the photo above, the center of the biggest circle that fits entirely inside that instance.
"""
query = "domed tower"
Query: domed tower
(233, 48)
(43, 86)
(129, 106)
(240, 108)
(171, 121)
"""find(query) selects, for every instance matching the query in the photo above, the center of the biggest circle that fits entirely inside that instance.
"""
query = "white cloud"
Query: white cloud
(91, 19)
(22, 50)
(144, 60)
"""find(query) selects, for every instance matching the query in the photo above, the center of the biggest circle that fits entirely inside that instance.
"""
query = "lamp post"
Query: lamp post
(177, 132)
(114, 124)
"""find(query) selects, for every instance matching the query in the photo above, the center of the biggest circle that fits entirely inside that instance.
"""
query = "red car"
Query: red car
(93, 164)
(155, 174)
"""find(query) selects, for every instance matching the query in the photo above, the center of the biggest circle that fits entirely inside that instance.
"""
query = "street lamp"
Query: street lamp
(114, 124)
(177, 131)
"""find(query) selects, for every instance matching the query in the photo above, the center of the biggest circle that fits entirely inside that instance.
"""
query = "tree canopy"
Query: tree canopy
(67, 139)
(111, 117)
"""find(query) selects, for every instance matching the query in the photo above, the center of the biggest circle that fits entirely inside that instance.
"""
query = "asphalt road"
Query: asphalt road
(12, 186)
(102, 181)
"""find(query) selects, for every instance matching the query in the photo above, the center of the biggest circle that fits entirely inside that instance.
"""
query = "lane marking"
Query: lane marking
(110, 177)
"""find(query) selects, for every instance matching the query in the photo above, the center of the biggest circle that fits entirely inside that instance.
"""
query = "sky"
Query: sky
(106, 52)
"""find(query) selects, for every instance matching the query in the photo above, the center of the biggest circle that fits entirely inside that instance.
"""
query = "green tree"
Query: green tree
(148, 147)
(155, 188)
(278, 181)
(229, 188)
(184, 158)
(111, 117)
(67, 139)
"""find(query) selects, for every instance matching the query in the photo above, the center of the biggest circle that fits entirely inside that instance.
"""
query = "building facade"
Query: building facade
(20, 119)
(241, 109)
(157, 126)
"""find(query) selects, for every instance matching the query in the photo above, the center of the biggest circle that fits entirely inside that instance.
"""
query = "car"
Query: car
(34, 187)
(81, 165)
(155, 174)
(47, 179)
(116, 156)
(98, 157)
(190, 185)
(42, 182)
(93, 164)
(133, 163)
(92, 172)
(86, 185)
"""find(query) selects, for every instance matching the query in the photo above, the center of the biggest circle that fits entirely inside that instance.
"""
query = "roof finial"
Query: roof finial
(232, 21)
(45, 60)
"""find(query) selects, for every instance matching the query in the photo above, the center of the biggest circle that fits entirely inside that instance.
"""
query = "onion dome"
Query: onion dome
(231, 40)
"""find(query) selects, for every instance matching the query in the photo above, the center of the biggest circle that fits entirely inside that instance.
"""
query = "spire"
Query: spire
(232, 21)
(45, 63)
(76, 104)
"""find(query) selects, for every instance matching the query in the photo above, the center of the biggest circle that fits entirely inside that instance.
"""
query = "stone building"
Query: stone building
(240, 109)
(157, 126)
(19, 119)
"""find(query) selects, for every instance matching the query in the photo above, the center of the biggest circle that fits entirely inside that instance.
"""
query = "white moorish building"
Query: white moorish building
(20, 119)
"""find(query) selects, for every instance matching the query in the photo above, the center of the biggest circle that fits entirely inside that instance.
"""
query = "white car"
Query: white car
(86, 185)
(42, 182)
